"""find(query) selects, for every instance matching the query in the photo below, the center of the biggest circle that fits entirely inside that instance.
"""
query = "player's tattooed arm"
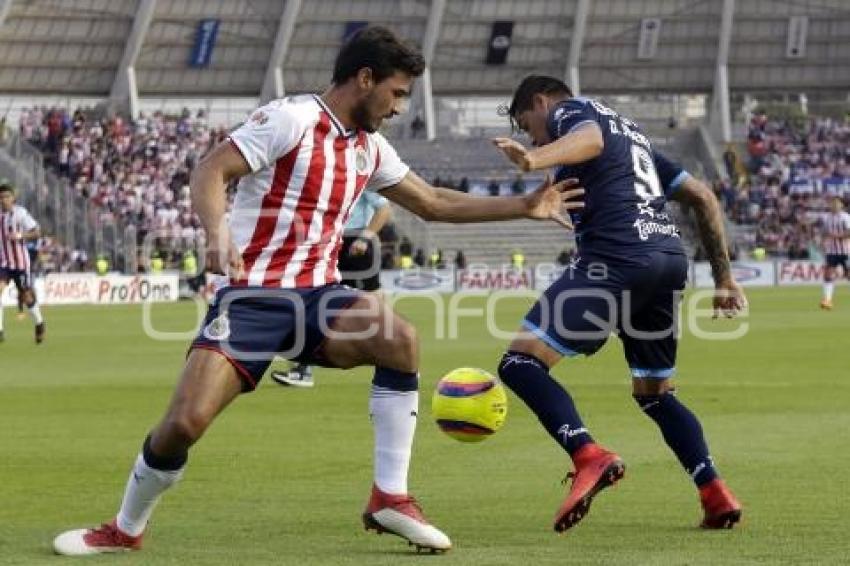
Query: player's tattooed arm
(729, 297)
(710, 224)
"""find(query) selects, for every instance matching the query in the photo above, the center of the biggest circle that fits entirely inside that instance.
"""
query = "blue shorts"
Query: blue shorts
(638, 301)
(251, 325)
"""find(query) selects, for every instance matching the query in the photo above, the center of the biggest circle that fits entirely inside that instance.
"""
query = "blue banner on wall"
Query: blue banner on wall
(204, 42)
(500, 42)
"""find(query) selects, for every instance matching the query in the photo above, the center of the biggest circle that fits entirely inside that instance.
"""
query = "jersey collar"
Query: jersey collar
(334, 120)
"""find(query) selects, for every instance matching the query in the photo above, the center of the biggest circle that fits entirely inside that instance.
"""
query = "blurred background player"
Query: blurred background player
(627, 279)
(17, 227)
(359, 265)
(836, 247)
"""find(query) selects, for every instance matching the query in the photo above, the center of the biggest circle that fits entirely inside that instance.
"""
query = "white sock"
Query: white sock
(394, 420)
(1, 318)
(35, 313)
(141, 495)
(828, 288)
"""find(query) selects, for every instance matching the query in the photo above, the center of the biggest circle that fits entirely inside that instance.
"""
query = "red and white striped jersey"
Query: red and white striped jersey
(307, 172)
(836, 228)
(13, 248)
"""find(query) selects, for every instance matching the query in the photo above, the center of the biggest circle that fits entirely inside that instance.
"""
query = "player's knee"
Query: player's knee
(188, 425)
(649, 386)
(650, 397)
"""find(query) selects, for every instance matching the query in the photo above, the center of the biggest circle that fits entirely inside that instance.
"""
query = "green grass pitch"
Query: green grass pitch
(283, 475)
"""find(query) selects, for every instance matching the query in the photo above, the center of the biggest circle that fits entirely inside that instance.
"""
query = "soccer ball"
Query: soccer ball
(469, 404)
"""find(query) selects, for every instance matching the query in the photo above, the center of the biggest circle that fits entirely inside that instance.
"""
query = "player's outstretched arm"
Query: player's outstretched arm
(729, 298)
(578, 146)
(445, 205)
(208, 186)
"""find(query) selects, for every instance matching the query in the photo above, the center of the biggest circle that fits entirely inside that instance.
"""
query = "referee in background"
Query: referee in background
(359, 265)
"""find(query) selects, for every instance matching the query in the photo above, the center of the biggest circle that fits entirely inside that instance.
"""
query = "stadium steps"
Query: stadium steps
(493, 242)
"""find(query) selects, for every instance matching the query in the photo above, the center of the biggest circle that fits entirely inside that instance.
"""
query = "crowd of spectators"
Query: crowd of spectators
(135, 172)
(494, 186)
(795, 168)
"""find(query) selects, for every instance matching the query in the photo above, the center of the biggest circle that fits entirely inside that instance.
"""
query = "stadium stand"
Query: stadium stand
(657, 61)
(795, 166)
(134, 173)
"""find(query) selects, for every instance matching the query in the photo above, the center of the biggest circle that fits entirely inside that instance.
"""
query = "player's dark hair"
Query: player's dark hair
(379, 49)
(6, 187)
(535, 84)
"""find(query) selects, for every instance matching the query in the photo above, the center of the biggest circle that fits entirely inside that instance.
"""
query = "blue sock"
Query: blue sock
(682, 433)
(529, 378)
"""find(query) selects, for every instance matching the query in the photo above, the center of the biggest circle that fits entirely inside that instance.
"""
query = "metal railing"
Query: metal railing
(71, 218)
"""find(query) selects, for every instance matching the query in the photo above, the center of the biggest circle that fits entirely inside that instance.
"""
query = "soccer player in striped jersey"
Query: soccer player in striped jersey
(302, 163)
(359, 266)
(17, 227)
(836, 247)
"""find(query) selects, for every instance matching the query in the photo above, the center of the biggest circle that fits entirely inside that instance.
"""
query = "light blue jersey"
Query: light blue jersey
(363, 211)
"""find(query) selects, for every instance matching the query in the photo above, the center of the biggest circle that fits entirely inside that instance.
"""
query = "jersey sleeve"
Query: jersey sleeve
(27, 221)
(389, 168)
(269, 133)
(670, 173)
(569, 116)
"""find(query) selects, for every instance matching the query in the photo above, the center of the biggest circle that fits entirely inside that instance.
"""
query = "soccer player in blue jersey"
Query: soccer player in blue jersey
(628, 278)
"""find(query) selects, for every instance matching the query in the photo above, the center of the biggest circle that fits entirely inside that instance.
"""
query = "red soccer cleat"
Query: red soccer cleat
(722, 510)
(596, 469)
(400, 515)
(106, 538)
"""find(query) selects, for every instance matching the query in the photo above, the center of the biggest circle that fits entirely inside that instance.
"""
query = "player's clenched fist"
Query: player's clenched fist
(515, 151)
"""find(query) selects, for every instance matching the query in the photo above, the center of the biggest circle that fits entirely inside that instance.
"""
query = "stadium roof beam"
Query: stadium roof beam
(273, 86)
(720, 119)
(124, 91)
(429, 47)
(576, 44)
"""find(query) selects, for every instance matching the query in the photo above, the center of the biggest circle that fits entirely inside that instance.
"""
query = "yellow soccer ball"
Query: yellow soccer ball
(469, 404)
